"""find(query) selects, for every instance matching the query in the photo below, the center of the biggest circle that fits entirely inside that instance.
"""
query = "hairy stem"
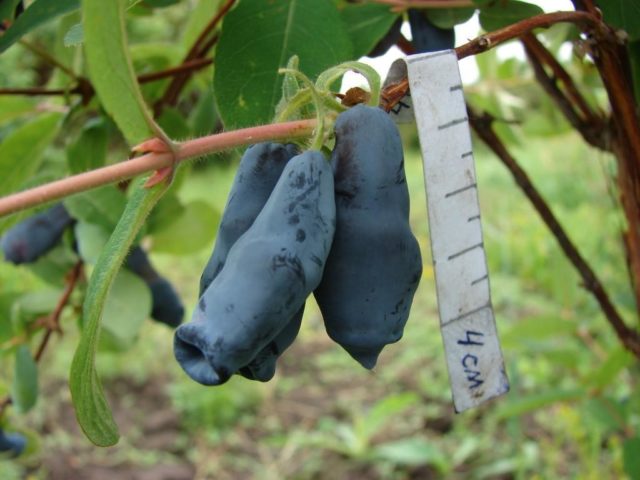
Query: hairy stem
(150, 162)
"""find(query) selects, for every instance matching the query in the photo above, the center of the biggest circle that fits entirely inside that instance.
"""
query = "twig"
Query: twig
(199, 49)
(85, 88)
(73, 277)
(593, 127)
(48, 58)
(54, 320)
(629, 338)
(491, 40)
(189, 66)
(150, 162)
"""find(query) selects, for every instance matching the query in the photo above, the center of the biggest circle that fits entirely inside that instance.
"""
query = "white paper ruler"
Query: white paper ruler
(472, 348)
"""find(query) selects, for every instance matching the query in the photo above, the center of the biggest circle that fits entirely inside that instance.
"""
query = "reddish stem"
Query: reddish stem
(150, 162)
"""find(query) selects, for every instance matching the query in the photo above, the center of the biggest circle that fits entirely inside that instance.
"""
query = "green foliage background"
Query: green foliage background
(574, 408)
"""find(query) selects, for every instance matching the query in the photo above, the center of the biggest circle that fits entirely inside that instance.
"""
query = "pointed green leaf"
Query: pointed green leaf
(449, 17)
(110, 68)
(38, 13)
(101, 206)
(366, 24)
(496, 15)
(631, 448)
(128, 305)
(199, 219)
(258, 38)
(21, 151)
(92, 410)
(89, 151)
(624, 14)
(25, 381)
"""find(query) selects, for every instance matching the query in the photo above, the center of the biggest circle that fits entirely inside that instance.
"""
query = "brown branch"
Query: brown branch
(85, 88)
(544, 57)
(189, 66)
(42, 53)
(629, 338)
(53, 321)
(491, 40)
(593, 127)
(199, 49)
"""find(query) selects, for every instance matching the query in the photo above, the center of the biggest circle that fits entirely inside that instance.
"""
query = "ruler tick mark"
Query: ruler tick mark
(455, 87)
(466, 250)
(467, 314)
(475, 217)
(452, 123)
(432, 55)
(481, 279)
(460, 190)
(466, 154)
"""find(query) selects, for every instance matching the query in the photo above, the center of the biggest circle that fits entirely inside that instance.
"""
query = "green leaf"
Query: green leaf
(89, 151)
(127, 307)
(258, 38)
(624, 14)
(385, 410)
(173, 122)
(21, 151)
(521, 405)
(92, 410)
(91, 241)
(32, 305)
(608, 371)
(446, 18)
(38, 13)
(631, 447)
(101, 206)
(24, 392)
(199, 16)
(7, 9)
(500, 14)
(74, 36)
(199, 219)
(413, 452)
(110, 68)
(366, 24)
(13, 107)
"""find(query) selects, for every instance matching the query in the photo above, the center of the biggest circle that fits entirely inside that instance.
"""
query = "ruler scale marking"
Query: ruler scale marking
(474, 358)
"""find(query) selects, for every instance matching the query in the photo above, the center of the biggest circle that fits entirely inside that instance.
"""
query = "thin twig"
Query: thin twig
(630, 339)
(593, 127)
(545, 57)
(84, 87)
(152, 161)
(72, 279)
(42, 53)
(197, 50)
(395, 92)
(54, 320)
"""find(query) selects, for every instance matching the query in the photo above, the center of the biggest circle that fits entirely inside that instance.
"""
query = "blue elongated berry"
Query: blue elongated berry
(12, 444)
(30, 239)
(375, 265)
(426, 37)
(268, 274)
(258, 172)
(166, 306)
